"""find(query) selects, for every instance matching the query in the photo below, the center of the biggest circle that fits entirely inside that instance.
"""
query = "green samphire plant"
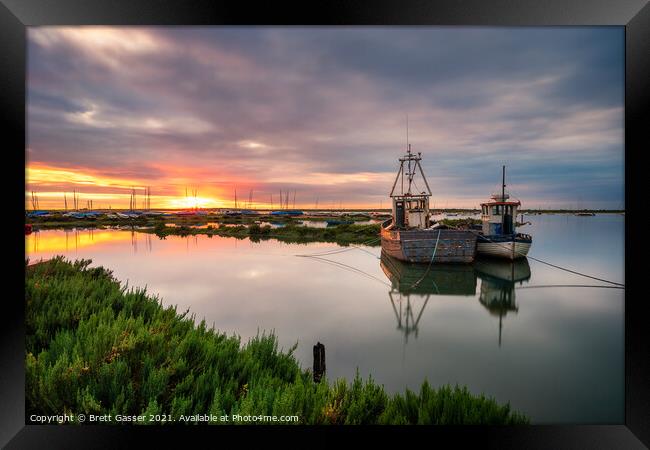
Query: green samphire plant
(94, 346)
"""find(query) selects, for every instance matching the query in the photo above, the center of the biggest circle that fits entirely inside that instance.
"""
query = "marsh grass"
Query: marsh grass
(94, 346)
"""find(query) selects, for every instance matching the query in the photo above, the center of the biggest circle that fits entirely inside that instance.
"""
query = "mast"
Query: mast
(503, 199)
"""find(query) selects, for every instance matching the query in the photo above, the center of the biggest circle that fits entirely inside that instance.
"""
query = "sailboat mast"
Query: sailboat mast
(503, 184)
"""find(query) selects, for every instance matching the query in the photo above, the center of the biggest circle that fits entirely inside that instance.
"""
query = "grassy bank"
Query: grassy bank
(340, 234)
(95, 347)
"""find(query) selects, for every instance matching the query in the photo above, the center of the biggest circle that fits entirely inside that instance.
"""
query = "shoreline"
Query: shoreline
(93, 347)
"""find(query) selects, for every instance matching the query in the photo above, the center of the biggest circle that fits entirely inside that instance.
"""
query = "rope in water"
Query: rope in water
(341, 250)
(353, 247)
(350, 268)
(547, 263)
(569, 286)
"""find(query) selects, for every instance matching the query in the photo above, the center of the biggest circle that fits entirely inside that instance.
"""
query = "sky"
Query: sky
(321, 113)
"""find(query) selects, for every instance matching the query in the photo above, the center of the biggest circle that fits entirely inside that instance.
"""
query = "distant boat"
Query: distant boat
(287, 212)
(38, 213)
(585, 214)
(499, 237)
(410, 235)
(332, 223)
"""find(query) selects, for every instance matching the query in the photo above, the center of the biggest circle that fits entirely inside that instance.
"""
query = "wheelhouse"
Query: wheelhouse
(410, 210)
(499, 214)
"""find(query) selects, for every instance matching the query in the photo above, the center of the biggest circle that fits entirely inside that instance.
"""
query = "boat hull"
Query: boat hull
(499, 247)
(417, 246)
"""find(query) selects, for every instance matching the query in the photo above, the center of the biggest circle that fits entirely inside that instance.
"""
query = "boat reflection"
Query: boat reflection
(412, 285)
(498, 281)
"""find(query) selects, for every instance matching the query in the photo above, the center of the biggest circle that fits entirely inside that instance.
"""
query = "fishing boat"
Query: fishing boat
(498, 237)
(410, 234)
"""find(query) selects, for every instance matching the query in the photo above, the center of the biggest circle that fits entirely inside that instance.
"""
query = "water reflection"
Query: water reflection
(412, 285)
(498, 281)
(562, 353)
(72, 240)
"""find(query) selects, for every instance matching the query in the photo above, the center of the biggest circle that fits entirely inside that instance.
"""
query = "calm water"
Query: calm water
(555, 353)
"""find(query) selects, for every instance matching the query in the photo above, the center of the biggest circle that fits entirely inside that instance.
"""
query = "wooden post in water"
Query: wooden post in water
(319, 362)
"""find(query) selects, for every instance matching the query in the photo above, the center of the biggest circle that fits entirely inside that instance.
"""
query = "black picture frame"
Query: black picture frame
(634, 15)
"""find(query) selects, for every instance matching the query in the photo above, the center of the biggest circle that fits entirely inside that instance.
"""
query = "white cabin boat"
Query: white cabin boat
(499, 237)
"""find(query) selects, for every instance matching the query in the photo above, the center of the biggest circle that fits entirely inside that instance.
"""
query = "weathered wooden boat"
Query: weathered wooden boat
(410, 235)
(498, 237)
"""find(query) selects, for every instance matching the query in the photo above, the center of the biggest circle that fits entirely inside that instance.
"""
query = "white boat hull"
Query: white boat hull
(503, 249)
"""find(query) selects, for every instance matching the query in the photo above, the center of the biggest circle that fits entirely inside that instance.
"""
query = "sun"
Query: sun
(192, 202)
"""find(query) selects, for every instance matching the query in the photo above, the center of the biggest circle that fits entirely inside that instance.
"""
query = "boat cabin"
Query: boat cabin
(410, 209)
(499, 214)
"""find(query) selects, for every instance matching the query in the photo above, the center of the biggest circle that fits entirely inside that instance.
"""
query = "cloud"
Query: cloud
(311, 108)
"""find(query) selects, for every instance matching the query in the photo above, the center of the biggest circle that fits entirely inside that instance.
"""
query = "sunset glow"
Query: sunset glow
(199, 115)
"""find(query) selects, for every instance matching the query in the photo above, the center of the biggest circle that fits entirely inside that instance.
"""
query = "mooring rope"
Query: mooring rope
(352, 247)
(341, 250)
(545, 262)
(430, 262)
(569, 286)
(351, 269)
